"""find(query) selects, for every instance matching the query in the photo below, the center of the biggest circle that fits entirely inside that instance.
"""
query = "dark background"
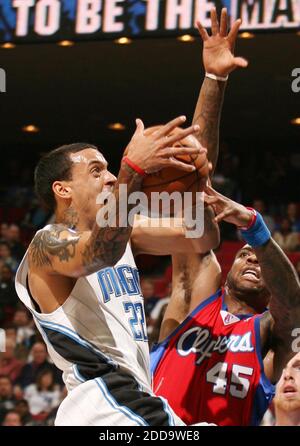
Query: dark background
(73, 93)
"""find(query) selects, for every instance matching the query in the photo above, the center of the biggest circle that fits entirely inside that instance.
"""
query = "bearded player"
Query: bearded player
(79, 279)
(215, 355)
(213, 340)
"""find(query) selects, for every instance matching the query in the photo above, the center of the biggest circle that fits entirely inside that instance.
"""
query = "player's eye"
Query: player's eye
(96, 170)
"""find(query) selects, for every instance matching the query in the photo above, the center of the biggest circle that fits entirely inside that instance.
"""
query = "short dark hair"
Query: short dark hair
(55, 166)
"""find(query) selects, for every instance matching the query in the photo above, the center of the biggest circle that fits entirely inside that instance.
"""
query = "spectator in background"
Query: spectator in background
(22, 408)
(6, 257)
(7, 397)
(11, 333)
(157, 315)
(38, 363)
(3, 232)
(50, 420)
(9, 364)
(292, 212)
(14, 240)
(224, 179)
(260, 206)
(23, 324)
(36, 217)
(12, 418)
(287, 397)
(22, 350)
(43, 395)
(286, 239)
(147, 287)
(8, 296)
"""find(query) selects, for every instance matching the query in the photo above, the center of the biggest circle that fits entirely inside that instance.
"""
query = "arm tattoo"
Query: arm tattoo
(107, 244)
(207, 116)
(48, 243)
(282, 281)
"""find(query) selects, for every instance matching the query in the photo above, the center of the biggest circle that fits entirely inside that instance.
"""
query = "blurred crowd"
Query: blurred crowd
(31, 387)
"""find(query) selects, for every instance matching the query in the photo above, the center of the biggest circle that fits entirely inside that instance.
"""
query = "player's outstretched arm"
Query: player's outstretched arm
(278, 273)
(219, 61)
(64, 251)
(283, 283)
(169, 236)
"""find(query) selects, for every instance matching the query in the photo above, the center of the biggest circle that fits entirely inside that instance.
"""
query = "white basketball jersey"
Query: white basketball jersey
(101, 326)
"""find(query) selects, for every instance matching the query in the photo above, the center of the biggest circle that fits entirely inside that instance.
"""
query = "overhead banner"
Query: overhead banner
(53, 20)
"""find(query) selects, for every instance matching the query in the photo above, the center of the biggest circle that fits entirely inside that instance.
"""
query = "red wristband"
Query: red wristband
(252, 221)
(133, 166)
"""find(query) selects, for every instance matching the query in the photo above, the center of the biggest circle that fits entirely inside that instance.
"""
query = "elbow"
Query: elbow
(209, 241)
(207, 244)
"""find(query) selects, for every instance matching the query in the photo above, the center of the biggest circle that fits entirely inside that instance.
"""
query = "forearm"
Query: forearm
(282, 281)
(279, 274)
(283, 284)
(170, 236)
(207, 115)
(112, 229)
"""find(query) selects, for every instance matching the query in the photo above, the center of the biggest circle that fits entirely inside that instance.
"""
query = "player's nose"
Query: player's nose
(109, 179)
(287, 374)
(252, 259)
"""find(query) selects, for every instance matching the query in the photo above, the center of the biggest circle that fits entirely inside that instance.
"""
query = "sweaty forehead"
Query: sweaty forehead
(86, 156)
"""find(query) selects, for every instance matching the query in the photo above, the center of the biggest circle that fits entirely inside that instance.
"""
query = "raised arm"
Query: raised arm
(283, 283)
(59, 249)
(219, 61)
(280, 278)
(169, 236)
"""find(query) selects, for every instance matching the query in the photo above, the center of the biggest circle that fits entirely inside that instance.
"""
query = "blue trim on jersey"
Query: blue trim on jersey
(156, 355)
(73, 335)
(240, 316)
(159, 348)
(125, 410)
(168, 411)
(77, 374)
(224, 305)
(165, 404)
(265, 390)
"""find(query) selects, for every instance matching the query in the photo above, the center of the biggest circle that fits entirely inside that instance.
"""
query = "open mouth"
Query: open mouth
(251, 274)
(289, 391)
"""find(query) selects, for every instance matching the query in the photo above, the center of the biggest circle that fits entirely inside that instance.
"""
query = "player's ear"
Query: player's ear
(62, 189)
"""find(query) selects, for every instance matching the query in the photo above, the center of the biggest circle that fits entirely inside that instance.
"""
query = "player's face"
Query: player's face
(245, 273)
(89, 177)
(287, 395)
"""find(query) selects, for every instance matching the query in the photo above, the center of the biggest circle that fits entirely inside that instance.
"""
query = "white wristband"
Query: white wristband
(216, 78)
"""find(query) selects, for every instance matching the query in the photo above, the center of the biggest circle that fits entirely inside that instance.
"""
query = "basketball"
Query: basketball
(172, 179)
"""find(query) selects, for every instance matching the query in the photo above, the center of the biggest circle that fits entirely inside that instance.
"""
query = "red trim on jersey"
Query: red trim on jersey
(210, 368)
